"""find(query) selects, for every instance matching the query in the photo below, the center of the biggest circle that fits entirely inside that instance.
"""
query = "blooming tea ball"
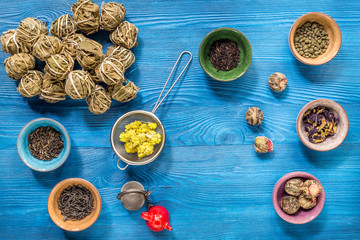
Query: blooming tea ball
(126, 55)
(89, 54)
(307, 203)
(29, 30)
(86, 16)
(290, 204)
(263, 145)
(59, 65)
(31, 83)
(125, 35)
(277, 82)
(10, 43)
(99, 100)
(123, 93)
(19, 64)
(79, 84)
(63, 26)
(52, 91)
(254, 116)
(112, 14)
(111, 70)
(293, 186)
(45, 46)
(70, 44)
(311, 189)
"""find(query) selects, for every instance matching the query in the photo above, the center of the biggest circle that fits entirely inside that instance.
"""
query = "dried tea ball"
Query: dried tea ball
(125, 35)
(52, 91)
(99, 100)
(311, 189)
(31, 83)
(19, 64)
(79, 84)
(89, 54)
(10, 43)
(290, 204)
(71, 42)
(112, 14)
(111, 70)
(123, 93)
(63, 26)
(293, 186)
(29, 30)
(45, 46)
(86, 15)
(307, 203)
(277, 82)
(263, 145)
(59, 65)
(126, 55)
(254, 116)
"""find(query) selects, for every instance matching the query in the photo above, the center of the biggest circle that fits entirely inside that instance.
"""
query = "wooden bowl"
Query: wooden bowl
(330, 27)
(55, 213)
(331, 142)
(303, 215)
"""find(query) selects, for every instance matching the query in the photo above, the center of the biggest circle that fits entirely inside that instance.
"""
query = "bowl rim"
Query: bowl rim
(112, 140)
(306, 143)
(70, 181)
(289, 176)
(217, 30)
(66, 148)
(292, 33)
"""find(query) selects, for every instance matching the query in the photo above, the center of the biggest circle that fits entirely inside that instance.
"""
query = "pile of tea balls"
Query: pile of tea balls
(101, 78)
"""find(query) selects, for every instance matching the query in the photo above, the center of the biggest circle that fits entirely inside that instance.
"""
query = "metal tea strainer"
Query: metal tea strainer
(145, 116)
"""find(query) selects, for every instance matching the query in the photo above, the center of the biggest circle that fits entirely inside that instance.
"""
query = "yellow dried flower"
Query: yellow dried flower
(19, 64)
(123, 93)
(63, 26)
(112, 14)
(59, 65)
(111, 70)
(99, 100)
(79, 84)
(126, 55)
(86, 15)
(29, 30)
(125, 35)
(10, 43)
(30, 83)
(89, 53)
(45, 46)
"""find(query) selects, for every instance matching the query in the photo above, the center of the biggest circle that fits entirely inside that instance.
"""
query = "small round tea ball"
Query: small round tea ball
(263, 145)
(293, 186)
(99, 100)
(45, 46)
(126, 55)
(52, 91)
(311, 189)
(111, 70)
(10, 43)
(31, 83)
(19, 64)
(71, 42)
(123, 93)
(290, 204)
(112, 14)
(307, 203)
(59, 65)
(277, 82)
(79, 84)
(29, 30)
(254, 116)
(89, 54)
(86, 16)
(63, 26)
(125, 35)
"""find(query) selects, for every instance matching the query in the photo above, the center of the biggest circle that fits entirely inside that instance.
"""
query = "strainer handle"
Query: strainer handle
(121, 167)
(158, 102)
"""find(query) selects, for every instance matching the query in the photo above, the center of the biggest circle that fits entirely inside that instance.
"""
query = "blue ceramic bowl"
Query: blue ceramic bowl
(23, 145)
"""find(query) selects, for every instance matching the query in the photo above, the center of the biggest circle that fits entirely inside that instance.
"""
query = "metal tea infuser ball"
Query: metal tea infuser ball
(133, 195)
(144, 116)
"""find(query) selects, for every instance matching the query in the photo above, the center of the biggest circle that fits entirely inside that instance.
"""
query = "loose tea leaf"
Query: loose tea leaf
(19, 64)
(290, 204)
(123, 93)
(307, 203)
(89, 54)
(125, 55)
(63, 26)
(29, 30)
(224, 55)
(320, 123)
(112, 14)
(263, 145)
(10, 43)
(59, 65)
(99, 100)
(125, 35)
(30, 84)
(254, 116)
(111, 70)
(70, 44)
(76, 202)
(45, 143)
(79, 84)
(86, 16)
(45, 46)
(277, 82)
(293, 187)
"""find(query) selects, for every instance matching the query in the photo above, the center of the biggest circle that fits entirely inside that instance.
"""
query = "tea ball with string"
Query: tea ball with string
(111, 71)
(125, 35)
(29, 30)
(79, 84)
(45, 46)
(254, 116)
(125, 55)
(63, 26)
(86, 16)
(123, 93)
(59, 65)
(31, 83)
(10, 43)
(112, 14)
(89, 54)
(19, 64)
(99, 100)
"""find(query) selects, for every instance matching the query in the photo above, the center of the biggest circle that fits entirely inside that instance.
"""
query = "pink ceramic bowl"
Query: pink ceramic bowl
(302, 216)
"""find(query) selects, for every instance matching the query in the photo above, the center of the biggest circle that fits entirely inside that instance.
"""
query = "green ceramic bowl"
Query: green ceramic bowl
(245, 54)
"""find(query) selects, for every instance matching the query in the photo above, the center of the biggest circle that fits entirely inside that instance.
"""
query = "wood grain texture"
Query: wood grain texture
(209, 177)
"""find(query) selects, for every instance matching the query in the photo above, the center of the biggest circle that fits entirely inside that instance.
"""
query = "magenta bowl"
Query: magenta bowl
(302, 216)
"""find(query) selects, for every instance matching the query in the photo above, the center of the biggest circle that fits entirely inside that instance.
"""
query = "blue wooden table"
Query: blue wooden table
(209, 177)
